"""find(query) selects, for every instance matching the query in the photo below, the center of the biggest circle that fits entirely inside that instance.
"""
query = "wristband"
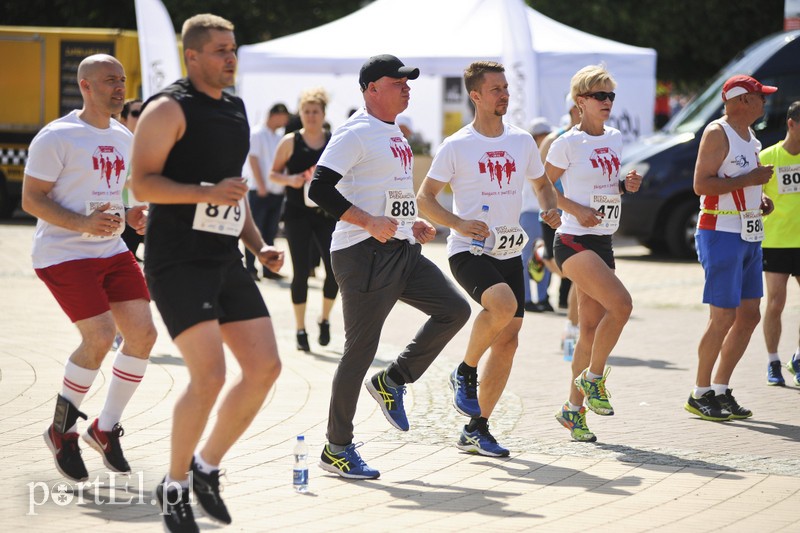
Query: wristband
(622, 189)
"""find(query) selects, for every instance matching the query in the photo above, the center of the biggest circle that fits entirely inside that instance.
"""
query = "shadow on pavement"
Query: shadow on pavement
(657, 364)
(786, 431)
(547, 474)
(167, 359)
(415, 494)
(649, 458)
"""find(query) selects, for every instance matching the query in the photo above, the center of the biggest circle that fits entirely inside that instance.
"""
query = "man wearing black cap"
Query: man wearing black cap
(364, 178)
(728, 177)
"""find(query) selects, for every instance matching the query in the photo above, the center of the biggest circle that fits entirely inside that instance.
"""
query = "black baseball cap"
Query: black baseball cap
(377, 67)
(279, 109)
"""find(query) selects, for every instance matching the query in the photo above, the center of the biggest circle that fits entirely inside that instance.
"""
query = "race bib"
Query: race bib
(508, 240)
(221, 219)
(116, 208)
(752, 225)
(610, 206)
(788, 179)
(401, 204)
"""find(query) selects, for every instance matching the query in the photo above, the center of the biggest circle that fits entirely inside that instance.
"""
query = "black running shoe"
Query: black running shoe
(729, 403)
(324, 333)
(176, 508)
(707, 407)
(67, 454)
(107, 444)
(302, 341)
(206, 490)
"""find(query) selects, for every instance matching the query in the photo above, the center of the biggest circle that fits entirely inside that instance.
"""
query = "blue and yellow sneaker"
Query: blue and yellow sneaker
(480, 442)
(596, 393)
(774, 375)
(389, 398)
(575, 422)
(465, 393)
(348, 463)
(793, 366)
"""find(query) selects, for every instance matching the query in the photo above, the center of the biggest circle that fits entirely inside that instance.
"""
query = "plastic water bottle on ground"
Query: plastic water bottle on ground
(300, 471)
(476, 246)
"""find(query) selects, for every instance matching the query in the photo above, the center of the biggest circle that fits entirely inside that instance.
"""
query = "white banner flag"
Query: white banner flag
(158, 47)
(520, 63)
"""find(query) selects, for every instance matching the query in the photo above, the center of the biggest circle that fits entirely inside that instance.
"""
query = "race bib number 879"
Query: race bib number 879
(220, 219)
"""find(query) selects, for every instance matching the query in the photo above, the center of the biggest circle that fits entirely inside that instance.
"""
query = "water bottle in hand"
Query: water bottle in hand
(476, 246)
(300, 471)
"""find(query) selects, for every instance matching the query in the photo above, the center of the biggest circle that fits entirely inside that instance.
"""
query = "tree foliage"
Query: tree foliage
(693, 38)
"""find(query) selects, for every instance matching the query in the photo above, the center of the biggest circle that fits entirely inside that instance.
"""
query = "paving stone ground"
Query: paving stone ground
(654, 467)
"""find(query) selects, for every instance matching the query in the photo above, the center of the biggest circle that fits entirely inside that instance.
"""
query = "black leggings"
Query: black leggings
(301, 231)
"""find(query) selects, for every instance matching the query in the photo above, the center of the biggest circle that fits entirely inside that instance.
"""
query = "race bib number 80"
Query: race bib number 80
(788, 179)
(220, 219)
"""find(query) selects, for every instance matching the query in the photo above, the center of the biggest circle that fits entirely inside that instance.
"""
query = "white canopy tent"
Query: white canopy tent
(440, 37)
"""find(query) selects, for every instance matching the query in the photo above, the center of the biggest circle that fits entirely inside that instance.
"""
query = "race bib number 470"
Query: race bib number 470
(610, 206)
(221, 219)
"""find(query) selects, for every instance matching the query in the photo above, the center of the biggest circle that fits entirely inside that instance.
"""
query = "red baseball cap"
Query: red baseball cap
(741, 84)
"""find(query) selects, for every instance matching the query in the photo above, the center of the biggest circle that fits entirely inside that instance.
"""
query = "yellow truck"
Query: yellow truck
(38, 84)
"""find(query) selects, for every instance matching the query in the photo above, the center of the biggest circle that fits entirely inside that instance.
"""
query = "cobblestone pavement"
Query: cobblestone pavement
(654, 467)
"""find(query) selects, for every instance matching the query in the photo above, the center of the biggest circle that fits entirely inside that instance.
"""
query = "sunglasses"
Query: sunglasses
(136, 112)
(600, 96)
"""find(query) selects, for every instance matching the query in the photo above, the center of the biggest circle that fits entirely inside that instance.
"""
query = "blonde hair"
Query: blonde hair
(587, 77)
(195, 31)
(314, 96)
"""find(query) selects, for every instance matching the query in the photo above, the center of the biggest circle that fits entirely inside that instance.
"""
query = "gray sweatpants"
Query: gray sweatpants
(372, 277)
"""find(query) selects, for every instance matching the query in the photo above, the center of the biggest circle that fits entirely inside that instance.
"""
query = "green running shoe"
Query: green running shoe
(575, 422)
(596, 393)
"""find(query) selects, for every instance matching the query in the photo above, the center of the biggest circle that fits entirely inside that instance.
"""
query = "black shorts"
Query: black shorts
(568, 245)
(476, 273)
(781, 260)
(548, 236)
(189, 293)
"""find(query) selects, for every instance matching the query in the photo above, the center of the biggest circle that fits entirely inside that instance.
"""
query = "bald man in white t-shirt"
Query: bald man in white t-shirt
(76, 170)
(364, 178)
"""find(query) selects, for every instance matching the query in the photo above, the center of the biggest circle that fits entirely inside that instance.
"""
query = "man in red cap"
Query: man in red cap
(728, 177)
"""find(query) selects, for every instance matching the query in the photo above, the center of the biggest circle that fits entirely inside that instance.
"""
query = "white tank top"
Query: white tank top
(721, 212)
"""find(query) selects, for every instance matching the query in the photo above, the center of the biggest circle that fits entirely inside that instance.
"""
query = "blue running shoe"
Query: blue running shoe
(480, 442)
(793, 366)
(390, 399)
(348, 463)
(465, 393)
(774, 375)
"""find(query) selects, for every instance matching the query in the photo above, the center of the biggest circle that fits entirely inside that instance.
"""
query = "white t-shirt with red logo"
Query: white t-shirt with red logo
(489, 171)
(376, 164)
(88, 167)
(591, 166)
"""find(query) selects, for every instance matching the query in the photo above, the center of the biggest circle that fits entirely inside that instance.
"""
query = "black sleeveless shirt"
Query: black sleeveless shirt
(303, 157)
(214, 146)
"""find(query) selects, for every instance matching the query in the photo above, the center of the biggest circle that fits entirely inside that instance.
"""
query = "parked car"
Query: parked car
(663, 214)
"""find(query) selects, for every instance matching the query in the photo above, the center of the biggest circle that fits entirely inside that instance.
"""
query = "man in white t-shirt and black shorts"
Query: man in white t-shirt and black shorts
(365, 179)
(487, 163)
(76, 170)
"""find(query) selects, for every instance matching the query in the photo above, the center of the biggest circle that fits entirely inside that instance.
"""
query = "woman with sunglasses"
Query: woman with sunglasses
(587, 160)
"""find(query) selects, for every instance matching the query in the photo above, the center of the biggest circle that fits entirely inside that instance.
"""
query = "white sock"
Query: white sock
(719, 388)
(77, 382)
(127, 373)
(698, 392)
(773, 357)
(184, 483)
(573, 407)
(202, 465)
(592, 377)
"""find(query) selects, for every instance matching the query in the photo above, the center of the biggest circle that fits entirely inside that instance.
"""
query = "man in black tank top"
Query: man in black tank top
(192, 142)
